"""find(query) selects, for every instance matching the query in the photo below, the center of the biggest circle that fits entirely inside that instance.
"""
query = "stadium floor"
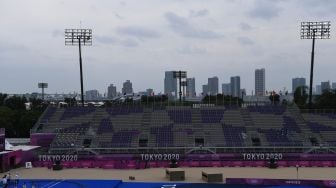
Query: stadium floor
(43, 183)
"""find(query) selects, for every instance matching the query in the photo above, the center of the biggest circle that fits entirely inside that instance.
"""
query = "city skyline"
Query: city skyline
(222, 38)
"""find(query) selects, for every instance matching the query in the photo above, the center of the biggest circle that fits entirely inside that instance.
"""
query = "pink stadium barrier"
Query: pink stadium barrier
(131, 164)
(108, 165)
(260, 163)
(282, 164)
(216, 163)
(135, 164)
(194, 164)
(238, 163)
(315, 164)
(205, 164)
(327, 164)
(304, 163)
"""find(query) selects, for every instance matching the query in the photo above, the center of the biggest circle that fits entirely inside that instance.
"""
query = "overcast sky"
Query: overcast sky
(140, 39)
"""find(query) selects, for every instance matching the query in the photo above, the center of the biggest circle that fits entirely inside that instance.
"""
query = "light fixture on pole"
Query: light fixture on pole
(180, 75)
(79, 37)
(314, 30)
(42, 86)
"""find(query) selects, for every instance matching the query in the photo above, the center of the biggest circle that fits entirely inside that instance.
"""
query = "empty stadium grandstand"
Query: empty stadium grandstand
(184, 129)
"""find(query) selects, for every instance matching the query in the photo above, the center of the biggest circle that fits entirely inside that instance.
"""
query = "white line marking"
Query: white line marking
(56, 184)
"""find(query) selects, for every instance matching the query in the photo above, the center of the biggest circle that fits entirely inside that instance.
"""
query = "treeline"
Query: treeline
(15, 118)
(327, 100)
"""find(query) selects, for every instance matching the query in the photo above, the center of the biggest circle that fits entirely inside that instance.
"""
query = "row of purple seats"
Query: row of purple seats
(155, 108)
(123, 138)
(180, 115)
(268, 109)
(164, 135)
(71, 112)
(317, 127)
(124, 110)
(290, 124)
(233, 135)
(81, 129)
(48, 114)
(329, 115)
(212, 115)
(105, 126)
(278, 137)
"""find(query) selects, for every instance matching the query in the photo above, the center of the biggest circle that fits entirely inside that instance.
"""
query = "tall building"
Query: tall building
(318, 90)
(260, 82)
(205, 89)
(111, 91)
(213, 85)
(235, 86)
(333, 85)
(127, 87)
(298, 82)
(226, 88)
(91, 94)
(325, 86)
(170, 84)
(190, 89)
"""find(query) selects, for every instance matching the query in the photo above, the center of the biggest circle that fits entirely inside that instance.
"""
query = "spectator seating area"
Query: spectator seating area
(170, 126)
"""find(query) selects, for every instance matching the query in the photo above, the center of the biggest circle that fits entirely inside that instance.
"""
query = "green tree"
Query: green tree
(2, 98)
(16, 103)
(7, 117)
(301, 96)
(327, 100)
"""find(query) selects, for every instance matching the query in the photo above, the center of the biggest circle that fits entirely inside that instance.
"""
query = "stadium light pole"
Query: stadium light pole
(180, 75)
(314, 30)
(79, 37)
(42, 86)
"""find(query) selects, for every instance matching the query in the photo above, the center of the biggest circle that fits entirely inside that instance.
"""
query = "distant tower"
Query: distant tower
(127, 87)
(260, 82)
(170, 84)
(190, 90)
(213, 85)
(111, 91)
(298, 82)
(235, 86)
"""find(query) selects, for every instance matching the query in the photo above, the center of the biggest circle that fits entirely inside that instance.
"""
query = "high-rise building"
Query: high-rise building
(318, 90)
(111, 91)
(170, 84)
(91, 94)
(333, 85)
(205, 90)
(298, 82)
(226, 88)
(190, 89)
(127, 87)
(213, 85)
(235, 86)
(260, 82)
(325, 86)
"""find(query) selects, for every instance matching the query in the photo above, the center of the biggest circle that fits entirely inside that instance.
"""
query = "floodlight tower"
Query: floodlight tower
(180, 75)
(314, 30)
(42, 86)
(79, 37)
